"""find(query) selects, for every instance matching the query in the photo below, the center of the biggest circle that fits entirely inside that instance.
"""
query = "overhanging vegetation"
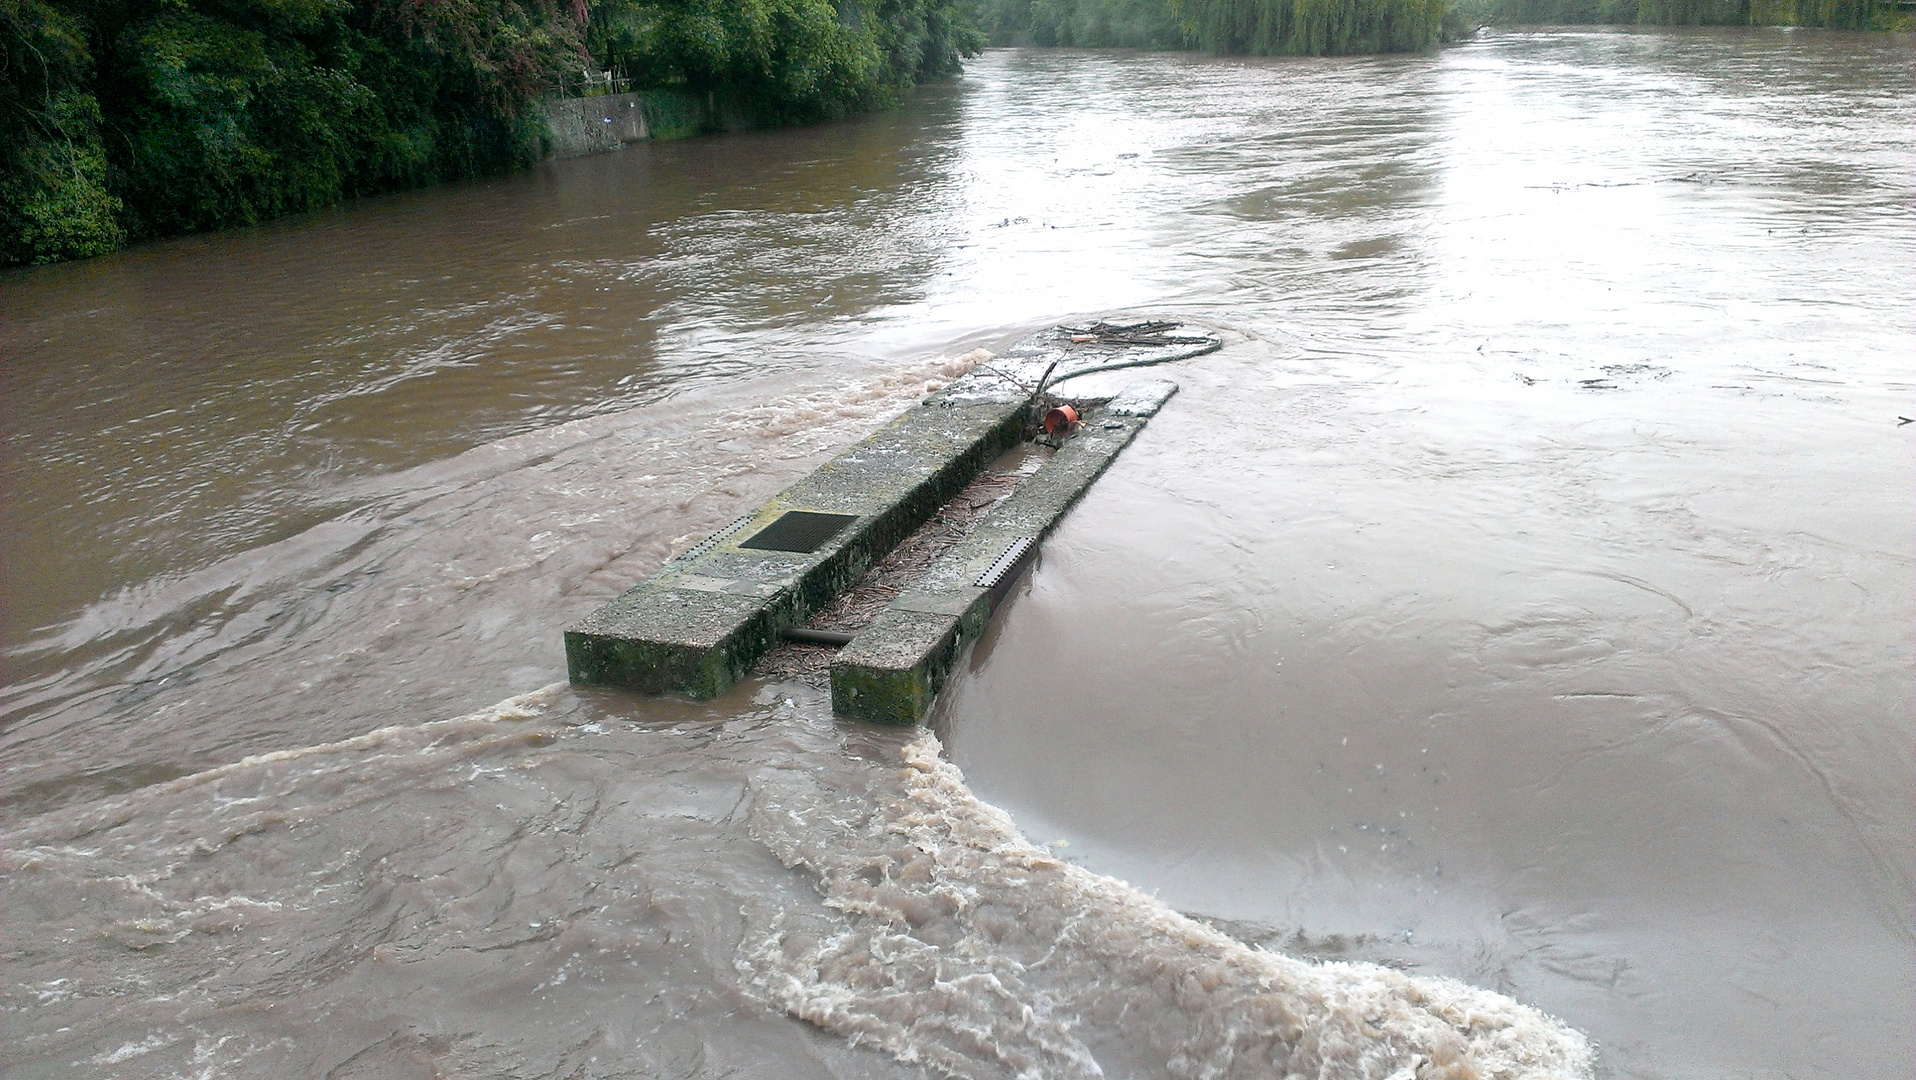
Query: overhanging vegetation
(129, 119)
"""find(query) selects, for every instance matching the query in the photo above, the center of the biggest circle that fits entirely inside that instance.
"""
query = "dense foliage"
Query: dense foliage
(1312, 27)
(783, 60)
(1832, 14)
(1259, 27)
(1317, 27)
(136, 118)
(1132, 24)
(53, 195)
(126, 119)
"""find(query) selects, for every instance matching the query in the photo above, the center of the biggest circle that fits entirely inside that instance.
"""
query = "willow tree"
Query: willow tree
(1833, 14)
(1310, 27)
(1085, 24)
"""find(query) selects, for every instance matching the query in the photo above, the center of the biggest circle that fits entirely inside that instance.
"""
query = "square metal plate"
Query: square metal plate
(802, 531)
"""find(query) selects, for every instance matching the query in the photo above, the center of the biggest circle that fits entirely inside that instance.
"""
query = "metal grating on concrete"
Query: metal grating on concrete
(1008, 560)
(712, 541)
(696, 625)
(800, 531)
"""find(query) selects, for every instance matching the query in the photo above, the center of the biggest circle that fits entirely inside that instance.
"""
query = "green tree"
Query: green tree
(1832, 14)
(783, 60)
(1263, 27)
(237, 111)
(1090, 24)
(54, 201)
(1311, 27)
(139, 118)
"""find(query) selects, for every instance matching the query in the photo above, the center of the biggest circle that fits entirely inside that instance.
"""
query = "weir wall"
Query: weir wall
(576, 126)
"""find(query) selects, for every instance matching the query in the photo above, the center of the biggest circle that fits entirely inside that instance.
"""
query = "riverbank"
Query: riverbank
(1894, 16)
(576, 126)
(1311, 28)
(130, 120)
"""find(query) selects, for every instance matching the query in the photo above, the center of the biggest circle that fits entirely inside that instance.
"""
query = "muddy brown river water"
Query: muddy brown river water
(1522, 597)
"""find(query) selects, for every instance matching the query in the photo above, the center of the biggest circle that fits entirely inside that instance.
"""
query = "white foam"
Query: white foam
(129, 1051)
(957, 943)
(830, 409)
(942, 936)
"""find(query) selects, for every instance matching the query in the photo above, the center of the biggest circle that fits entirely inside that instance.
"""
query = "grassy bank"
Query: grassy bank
(123, 120)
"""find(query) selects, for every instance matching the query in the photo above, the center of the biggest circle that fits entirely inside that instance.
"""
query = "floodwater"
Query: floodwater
(1522, 597)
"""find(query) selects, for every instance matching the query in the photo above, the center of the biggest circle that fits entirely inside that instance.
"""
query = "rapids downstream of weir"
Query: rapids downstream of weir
(1513, 620)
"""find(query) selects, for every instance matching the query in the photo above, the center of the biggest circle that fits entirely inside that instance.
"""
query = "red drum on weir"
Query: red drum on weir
(1059, 420)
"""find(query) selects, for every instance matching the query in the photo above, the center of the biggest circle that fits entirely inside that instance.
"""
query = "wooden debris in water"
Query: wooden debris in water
(1152, 334)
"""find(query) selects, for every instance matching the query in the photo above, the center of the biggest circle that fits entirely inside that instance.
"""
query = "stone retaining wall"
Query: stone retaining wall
(594, 125)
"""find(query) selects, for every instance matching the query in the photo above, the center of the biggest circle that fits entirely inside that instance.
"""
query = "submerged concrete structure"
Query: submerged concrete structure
(697, 625)
(891, 672)
(576, 126)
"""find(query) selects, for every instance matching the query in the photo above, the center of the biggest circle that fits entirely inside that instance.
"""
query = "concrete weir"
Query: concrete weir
(893, 669)
(697, 625)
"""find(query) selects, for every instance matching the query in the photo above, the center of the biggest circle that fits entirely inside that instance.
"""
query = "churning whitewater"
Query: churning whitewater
(955, 941)
(930, 927)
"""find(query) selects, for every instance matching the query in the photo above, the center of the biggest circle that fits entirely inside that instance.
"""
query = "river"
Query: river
(1522, 596)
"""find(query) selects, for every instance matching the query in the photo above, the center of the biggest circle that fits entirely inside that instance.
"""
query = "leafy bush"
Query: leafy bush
(139, 118)
(783, 60)
(54, 202)
(237, 111)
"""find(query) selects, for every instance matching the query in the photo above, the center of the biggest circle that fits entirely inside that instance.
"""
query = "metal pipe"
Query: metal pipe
(817, 637)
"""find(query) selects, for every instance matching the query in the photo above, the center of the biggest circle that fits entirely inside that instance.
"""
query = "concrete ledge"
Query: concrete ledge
(902, 661)
(696, 626)
(893, 670)
(593, 125)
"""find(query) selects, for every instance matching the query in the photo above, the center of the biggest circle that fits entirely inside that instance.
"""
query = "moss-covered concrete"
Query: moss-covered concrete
(893, 670)
(696, 625)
